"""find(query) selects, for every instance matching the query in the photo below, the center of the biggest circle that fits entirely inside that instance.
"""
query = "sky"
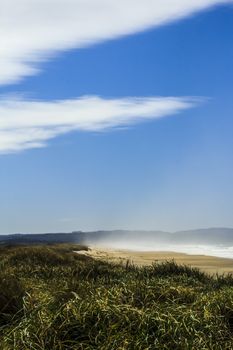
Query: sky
(115, 115)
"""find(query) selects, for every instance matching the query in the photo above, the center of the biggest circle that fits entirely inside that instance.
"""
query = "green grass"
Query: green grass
(53, 299)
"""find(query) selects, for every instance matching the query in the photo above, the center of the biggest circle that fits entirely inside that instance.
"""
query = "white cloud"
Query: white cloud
(33, 30)
(30, 124)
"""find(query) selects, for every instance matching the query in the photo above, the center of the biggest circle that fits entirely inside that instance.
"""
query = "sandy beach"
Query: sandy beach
(209, 264)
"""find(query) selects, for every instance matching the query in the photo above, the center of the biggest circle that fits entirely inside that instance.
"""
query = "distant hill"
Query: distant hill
(210, 236)
(31, 238)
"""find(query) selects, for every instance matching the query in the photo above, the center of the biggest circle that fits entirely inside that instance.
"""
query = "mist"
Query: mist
(213, 241)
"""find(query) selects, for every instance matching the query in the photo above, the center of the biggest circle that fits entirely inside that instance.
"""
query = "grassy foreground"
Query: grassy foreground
(52, 298)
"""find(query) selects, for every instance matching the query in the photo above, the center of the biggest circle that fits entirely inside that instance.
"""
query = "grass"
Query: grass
(53, 299)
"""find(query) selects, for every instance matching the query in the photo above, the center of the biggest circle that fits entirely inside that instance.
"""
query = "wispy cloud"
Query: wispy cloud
(30, 124)
(32, 31)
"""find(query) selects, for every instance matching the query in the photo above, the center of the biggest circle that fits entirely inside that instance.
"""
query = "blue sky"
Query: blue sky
(133, 130)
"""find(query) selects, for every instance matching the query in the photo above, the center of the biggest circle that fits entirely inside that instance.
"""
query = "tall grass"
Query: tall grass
(53, 299)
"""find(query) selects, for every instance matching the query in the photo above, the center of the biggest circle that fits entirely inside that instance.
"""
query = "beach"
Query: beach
(208, 264)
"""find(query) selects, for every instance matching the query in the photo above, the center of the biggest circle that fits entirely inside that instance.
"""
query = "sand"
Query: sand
(209, 264)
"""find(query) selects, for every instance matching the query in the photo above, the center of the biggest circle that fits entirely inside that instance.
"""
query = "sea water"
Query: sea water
(211, 250)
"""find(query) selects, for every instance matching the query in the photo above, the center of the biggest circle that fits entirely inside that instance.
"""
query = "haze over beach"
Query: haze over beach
(213, 241)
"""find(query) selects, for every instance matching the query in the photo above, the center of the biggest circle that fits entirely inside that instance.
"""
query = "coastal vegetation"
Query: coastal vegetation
(52, 298)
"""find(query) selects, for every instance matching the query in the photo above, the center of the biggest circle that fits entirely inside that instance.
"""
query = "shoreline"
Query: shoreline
(206, 263)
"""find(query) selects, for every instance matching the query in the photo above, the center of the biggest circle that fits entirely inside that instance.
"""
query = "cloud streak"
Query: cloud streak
(33, 31)
(30, 124)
